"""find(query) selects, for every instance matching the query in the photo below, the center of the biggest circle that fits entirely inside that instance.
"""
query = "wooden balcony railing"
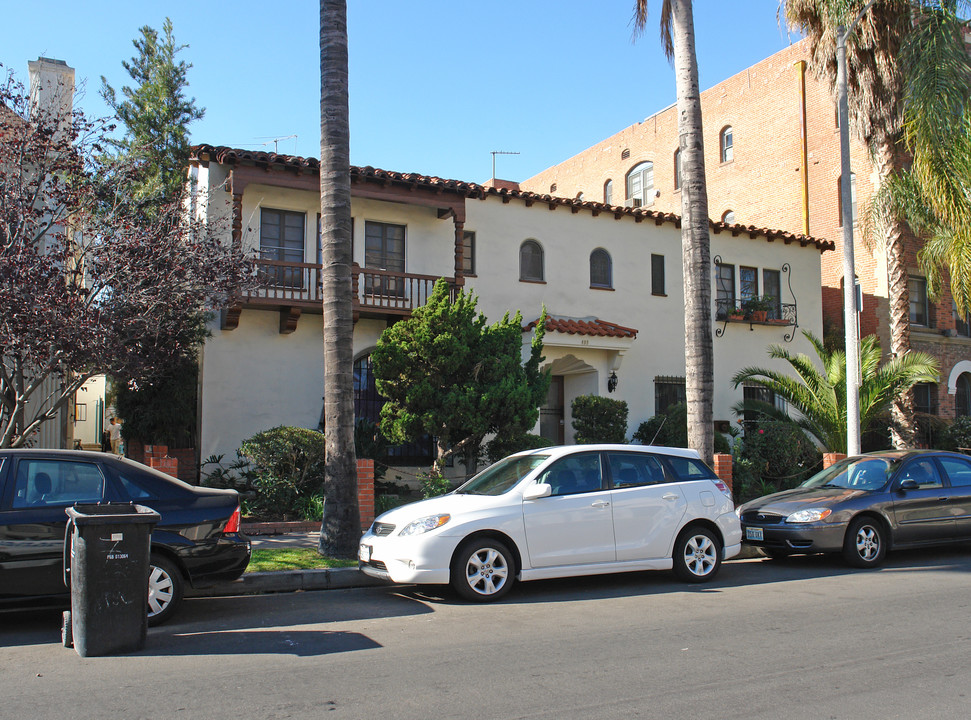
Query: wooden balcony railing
(376, 292)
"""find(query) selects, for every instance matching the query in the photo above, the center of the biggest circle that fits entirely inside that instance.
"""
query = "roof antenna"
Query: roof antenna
(276, 142)
(499, 152)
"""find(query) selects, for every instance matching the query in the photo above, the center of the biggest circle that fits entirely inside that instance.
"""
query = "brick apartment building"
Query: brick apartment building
(772, 159)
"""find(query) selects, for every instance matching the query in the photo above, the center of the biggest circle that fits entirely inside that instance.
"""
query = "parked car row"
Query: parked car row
(587, 510)
(197, 541)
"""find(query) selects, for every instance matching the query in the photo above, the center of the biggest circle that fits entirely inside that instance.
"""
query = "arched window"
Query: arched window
(729, 217)
(726, 144)
(677, 169)
(531, 261)
(962, 399)
(640, 185)
(608, 192)
(839, 198)
(601, 269)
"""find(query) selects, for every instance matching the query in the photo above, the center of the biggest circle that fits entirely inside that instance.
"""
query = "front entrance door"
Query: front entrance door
(551, 414)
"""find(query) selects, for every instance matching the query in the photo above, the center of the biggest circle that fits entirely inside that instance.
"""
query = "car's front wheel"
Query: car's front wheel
(483, 570)
(865, 544)
(697, 555)
(165, 588)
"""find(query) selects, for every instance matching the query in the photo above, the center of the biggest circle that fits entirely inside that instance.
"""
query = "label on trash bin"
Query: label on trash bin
(117, 536)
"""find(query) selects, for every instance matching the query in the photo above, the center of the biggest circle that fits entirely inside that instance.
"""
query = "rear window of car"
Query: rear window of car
(689, 468)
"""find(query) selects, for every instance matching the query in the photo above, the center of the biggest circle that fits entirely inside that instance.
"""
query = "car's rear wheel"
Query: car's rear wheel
(165, 589)
(865, 543)
(483, 570)
(697, 555)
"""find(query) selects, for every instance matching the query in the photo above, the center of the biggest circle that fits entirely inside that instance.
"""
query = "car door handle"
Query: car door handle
(670, 496)
(599, 504)
(943, 499)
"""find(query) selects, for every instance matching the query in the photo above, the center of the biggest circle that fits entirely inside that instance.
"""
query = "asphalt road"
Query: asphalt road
(806, 638)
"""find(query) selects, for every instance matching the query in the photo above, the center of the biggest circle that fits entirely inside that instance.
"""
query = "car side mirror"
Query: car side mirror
(539, 490)
(909, 484)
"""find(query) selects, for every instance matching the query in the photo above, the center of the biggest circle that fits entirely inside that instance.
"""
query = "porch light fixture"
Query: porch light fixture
(612, 382)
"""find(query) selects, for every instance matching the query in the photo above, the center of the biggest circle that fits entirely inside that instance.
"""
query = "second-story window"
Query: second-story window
(608, 192)
(918, 301)
(748, 281)
(531, 261)
(657, 275)
(640, 185)
(600, 269)
(724, 289)
(282, 234)
(468, 252)
(384, 249)
(727, 144)
(772, 287)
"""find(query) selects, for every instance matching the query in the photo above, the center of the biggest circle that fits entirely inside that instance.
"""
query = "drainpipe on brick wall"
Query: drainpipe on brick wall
(804, 145)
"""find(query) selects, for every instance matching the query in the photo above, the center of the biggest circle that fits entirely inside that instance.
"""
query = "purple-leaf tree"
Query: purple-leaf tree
(86, 285)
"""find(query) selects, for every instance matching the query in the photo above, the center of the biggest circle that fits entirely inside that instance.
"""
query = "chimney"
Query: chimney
(51, 89)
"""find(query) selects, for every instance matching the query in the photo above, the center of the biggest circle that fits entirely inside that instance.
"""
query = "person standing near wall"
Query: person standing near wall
(114, 432)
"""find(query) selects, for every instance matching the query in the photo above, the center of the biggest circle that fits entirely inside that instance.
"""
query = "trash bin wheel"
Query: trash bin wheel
(165, 588)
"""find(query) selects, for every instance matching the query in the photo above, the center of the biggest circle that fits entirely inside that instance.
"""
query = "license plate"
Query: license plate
(364, 553)
(753, 533)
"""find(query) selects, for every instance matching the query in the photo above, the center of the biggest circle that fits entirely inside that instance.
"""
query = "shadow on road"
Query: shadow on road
(299, 643)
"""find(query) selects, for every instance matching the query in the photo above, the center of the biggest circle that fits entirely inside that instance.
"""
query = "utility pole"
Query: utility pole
(849, 265)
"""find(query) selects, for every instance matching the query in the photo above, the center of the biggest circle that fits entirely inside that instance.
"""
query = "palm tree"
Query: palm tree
(341, 525)
(678, 38)
(876, 92)
(819, 395)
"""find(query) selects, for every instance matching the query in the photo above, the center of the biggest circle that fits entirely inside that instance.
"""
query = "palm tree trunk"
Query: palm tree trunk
(695, 241)
(341, 526)
(903, 428)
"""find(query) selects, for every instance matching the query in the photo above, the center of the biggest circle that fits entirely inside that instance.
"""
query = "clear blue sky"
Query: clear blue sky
(436, 85)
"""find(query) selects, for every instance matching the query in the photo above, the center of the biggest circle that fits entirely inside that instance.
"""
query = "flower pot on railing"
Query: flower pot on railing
(760, 315)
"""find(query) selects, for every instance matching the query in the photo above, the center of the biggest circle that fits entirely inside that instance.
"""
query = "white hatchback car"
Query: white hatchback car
(561, 512)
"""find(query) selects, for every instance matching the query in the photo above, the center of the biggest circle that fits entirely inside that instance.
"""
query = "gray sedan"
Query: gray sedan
(865, 505)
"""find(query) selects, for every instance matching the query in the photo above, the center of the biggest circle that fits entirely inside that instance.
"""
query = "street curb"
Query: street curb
(259, 583)
(280, 581)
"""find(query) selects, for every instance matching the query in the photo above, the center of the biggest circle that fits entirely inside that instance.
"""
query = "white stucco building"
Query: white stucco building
(610, 278)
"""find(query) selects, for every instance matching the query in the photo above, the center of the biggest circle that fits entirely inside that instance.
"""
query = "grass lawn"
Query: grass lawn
(293, 559)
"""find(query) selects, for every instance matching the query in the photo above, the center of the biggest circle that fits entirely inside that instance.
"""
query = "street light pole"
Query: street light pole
(849, 269)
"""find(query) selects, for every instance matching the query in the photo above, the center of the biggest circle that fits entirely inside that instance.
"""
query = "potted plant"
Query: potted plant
(757, 307)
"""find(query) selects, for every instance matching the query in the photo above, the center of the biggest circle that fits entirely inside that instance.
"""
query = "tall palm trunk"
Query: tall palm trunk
(695, 240)
(341, 524)
(903, 428)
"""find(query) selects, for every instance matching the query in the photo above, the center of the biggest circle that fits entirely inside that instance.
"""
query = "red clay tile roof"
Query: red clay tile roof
(584, 326)
(231, 156)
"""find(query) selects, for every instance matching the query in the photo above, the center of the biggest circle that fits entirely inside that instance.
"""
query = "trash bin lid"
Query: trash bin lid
(114, 513)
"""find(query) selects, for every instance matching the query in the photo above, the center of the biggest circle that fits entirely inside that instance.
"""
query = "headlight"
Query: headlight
(423, 525)
(809, 515)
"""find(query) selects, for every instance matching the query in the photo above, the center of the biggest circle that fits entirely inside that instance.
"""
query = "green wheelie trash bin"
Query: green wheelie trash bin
(106, 565)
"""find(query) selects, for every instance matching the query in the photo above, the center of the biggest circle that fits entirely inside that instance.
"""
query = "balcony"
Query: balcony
(782, 315)
(294, 288)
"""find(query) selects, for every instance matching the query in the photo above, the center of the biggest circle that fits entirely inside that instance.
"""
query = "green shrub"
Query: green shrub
(383, 503)
(670, 428)
(599, 420)
(957, 435)
(433, 485)
(288, 467)
(499, 448)
(779, 456)
(370, 442)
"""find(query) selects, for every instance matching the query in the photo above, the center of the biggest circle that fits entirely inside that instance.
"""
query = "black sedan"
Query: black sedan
(866, 505)
(197, 540)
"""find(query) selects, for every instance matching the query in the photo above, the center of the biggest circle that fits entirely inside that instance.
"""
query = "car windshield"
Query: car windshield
(854, 473)
(497, 479)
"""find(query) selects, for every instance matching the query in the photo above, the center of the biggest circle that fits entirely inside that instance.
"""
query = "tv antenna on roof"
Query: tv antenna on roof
(276, 142)
(499, 152)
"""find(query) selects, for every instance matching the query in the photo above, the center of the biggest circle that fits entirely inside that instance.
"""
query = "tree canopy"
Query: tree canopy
(445, 372)
(156, 114)
(85, 287)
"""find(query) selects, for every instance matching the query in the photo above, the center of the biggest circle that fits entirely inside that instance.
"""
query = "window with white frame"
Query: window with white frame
(640, 185)
(726, 144)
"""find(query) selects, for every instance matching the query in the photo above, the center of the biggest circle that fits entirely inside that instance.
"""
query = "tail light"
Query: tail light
(723, 487)
(233, 525)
